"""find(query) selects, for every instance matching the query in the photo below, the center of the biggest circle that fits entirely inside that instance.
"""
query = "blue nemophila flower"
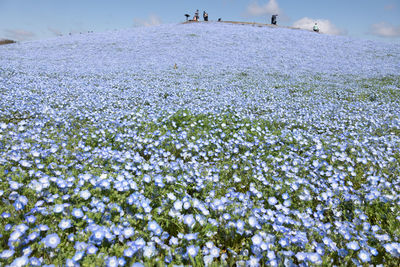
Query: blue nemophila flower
(58, 208)
(15, 236)
(191, 236)
(149, 251)
(178, 205)
(189, 220)
(35, 261)
(51, 241)
(154, 227)
(91, 249)
(301, 256)
(272, 201)
(30, 219)
(70, 263)
(271, 255)
(5, 215)
(129, 252)
(21, 228)
(364, 256)
(65, 224)
(85, 194)
(174, 241)
(20, 261)
(33, 236)
(393, 249)
(5, 254)
(78, 256)
(343, 252)
(20, 202)
(253, 262)
(353, 245)
(128, 232)
(314, 258)
(284, 242)
(192, 250)
(98, 235)
(77, 213)
(257, 240)
(80, 246)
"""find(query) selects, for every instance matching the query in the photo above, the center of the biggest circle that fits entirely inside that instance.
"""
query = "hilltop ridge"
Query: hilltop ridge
(211, 46)
(258, 24)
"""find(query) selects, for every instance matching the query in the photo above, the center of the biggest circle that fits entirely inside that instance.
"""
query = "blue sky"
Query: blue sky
(37, 19)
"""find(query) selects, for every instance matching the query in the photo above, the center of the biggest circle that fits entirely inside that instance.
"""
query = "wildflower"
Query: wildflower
(14, 236)
(272, 201)
(98, 235)
(253, 262)
(128, 232)
(92, 249)
(78, 256)
(191, 236)
(271, 255)
(58, 208)
(284, 242)
(256, 239)
(43, 227)
(71, 263)
(342, 252)
(353, 245)
(178, 205)
(315, 258)
(65, 224)
(301, 256)
(189, 220)
(240, 225)
(5, 254)
(214, 252)
(85, 194)
(77, 213)
(51, 241)
(32, 236)
(20, 261)
(174, 241)
(364, 256)
(192, 250)
(129, 252)
(121, 261)
(35, 261)
(30, 219)
(112, 262)
(80, 246)
(149, 251)
(154, 227)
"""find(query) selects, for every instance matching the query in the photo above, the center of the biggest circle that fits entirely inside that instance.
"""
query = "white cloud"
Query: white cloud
(384, 29)
(255, 9)
(324, 25)
(19, 35)
(152, 20)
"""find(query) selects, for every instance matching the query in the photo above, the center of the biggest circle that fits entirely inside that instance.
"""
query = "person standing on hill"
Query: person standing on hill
(196, 15)
(205, 16)
(315, 28)
(273, 19)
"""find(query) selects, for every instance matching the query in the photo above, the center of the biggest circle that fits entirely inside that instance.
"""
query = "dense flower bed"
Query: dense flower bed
(200, 144)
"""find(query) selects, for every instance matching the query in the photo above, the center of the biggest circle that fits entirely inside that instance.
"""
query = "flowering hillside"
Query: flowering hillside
(200, 144)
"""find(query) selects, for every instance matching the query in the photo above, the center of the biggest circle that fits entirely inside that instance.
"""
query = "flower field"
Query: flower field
(200, 144)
